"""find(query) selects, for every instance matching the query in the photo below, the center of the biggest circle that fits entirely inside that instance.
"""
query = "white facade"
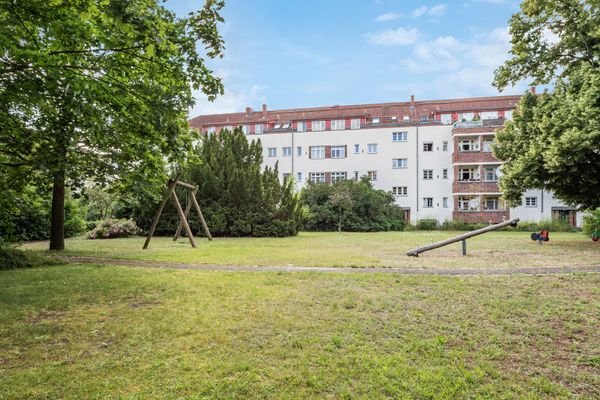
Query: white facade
(413, 162)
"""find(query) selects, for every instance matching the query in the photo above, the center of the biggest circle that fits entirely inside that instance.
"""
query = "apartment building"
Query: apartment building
(433, 156)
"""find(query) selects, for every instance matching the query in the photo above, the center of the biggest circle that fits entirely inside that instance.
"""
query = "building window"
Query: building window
(299, 176)
(399, 136)
(489, 115)
(468, 145)
(318, 126)
(372, 148)
(317, 177)
(445, 173)
(286, 176)
(489, 174)
(245, 129)
(487, 145)
(445, 145)
(466, 116)
(338, 176)
(508, 114)
(372, 175)
(355, 175)
(338, 124)
(530, 201)
(427, 202)
(400, 191)
(227, 128)
(355, 123)
(356, 148)
(424, 118)
(445, 202)
(299, 151)
(212, 129)
(428, 174)
(272, 152)
(468, 203)
(287, 151)
(317, 152)
(491, 203)
(399, 163)
(428, 146)
(375, 120)
(301, 126)
(466, 174)
(446, 119)
(258, 129)
(338, 151)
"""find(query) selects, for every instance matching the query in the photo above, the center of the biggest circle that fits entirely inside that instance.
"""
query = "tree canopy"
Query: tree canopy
(99, 89)
(553, 141)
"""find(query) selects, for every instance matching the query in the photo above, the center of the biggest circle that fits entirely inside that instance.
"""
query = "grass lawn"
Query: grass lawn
(91, 332)
(385, 249)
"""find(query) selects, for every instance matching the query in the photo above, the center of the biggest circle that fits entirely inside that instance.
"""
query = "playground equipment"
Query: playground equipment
(183, 222)
(463, 238)
(541, 236)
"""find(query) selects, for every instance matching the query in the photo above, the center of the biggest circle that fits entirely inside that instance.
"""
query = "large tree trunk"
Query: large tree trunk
(57, 229)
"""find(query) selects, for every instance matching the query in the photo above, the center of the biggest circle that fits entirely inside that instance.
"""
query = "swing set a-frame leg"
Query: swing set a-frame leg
(170, 189)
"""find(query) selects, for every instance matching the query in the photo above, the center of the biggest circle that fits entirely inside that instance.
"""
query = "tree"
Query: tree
(93, 89)
(553, 141)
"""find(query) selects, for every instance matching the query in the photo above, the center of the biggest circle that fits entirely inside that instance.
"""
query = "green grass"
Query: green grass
(107, 332)
(386, 249)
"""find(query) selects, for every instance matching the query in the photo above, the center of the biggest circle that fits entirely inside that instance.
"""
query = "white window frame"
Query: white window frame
(427, 202)
(212, 129)
(271, 151)
(372, 175)
(357, 149)
(445, 173)
(399, 163)
(338, 176)
(372, 148)
(445, 145)
(468, 145)
(299, 151)
(446, 119)
(286, 151)
(317, 126)
(317, 177)
(490, 170)
(401, 136)
(355, 123)
(495, 203)
(485, 115)
(400, 191)
(299, 176)
(467, 116)
(444, 202)
(427, 147)
(487, 145)
(470, 172)
(317, 152)
(375, 120)
(338, 151)
(301, 126)
(530, 201)
(427, 174)
(258, 129)
(338, 124)
(508, 114)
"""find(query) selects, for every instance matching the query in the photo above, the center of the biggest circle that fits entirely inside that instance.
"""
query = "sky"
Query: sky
(310, 53)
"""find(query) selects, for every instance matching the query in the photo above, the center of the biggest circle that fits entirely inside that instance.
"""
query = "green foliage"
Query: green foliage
(427, 224)
(553, 141)
(350, 206)
(591, 222)
(113, 228)
(100, 90)
(12, 258)
(25, 215)
(237, 198)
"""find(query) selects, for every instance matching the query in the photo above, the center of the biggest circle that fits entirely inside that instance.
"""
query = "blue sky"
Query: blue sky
(309, 53)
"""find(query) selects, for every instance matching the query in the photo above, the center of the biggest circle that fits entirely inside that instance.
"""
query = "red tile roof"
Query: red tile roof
(399, 109)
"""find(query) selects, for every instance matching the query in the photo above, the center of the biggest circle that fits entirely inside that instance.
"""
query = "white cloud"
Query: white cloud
(395, 37)
(231, 101)
(391, 16)
(433, 11)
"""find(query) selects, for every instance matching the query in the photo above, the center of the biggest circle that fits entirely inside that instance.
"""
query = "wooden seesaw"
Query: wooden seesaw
(463, 238)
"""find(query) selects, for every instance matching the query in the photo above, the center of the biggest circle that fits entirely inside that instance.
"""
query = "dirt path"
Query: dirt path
(367, 270)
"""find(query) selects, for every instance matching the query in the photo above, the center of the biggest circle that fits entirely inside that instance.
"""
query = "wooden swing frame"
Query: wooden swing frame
(183, 216)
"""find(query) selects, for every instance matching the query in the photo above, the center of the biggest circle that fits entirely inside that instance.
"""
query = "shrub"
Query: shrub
(113, 228)
(591, 222)
(13, 258)
(426, 224)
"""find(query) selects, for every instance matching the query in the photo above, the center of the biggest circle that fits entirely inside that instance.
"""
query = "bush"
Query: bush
(12, 258)
(113, 228)
(591, 222)
(426, 224)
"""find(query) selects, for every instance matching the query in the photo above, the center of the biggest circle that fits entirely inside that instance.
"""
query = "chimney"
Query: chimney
(264, 111)
(532, 89)
(412, 104)
(248, 111)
